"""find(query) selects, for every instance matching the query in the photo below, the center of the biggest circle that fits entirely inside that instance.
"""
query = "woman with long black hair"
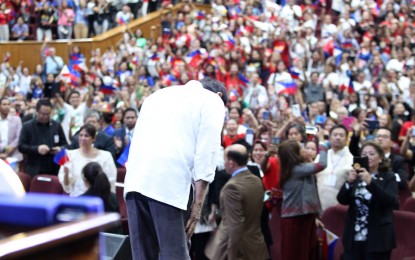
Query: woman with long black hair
(97, 184)
(301, 204)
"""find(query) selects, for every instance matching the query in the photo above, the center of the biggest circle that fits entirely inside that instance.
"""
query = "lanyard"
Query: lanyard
(334, 165)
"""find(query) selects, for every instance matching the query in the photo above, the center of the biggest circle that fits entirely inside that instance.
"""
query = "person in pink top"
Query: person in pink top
(66, 17)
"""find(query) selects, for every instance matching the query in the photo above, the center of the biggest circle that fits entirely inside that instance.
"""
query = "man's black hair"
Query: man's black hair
(215, 86)
(339, 126)
(43, 102)
(129, 109)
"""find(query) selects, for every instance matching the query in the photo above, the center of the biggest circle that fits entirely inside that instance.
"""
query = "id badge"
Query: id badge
(331, 180)
(56, 139)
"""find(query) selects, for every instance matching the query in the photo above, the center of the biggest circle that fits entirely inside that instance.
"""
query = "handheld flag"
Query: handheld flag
(155, 57)
(329, 244)
(349, 86)
(295, 73)
(194, 58)
(61, 157)
(124, 156)
(242, 80)
(338, 54)
(229, 41)
(12, 162)
(289, 88)
(107, 89)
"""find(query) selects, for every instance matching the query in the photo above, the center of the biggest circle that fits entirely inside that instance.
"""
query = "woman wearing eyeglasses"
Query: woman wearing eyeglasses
(372, 195)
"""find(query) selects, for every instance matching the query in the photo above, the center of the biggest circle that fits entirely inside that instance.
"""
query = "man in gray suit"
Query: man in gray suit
(241, 201)
(10, 127)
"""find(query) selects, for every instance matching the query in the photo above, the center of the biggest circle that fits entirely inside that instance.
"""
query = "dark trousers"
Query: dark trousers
(298, 238)
(156, 229)
(359, 252)
(199, 241)
(134, 8)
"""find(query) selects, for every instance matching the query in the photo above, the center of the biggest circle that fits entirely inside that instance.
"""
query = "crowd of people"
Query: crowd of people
(68, 19)
(310, 86)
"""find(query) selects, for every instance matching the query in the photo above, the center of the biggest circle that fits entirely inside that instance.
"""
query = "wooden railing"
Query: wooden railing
(29, 51)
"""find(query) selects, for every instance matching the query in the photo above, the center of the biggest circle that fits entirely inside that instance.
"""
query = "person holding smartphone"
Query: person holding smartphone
(372, 195)
(300, 203)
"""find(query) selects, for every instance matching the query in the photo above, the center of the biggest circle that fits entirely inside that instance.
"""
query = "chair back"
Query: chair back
(44, 183)
(25, 179)
(409, 205)
(404, 231)
(334, 219)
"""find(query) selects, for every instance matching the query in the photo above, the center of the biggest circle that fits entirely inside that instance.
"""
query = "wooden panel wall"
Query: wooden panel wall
(29, 51)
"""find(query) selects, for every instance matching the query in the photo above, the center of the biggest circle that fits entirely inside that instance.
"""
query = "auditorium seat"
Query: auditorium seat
(404, 230)
(121, 174)
(404, 194)
(25, 179)
(409, 205)
(334, 219)
(44, 183)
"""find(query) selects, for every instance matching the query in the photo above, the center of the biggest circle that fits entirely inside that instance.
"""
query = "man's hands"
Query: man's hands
(200, 188)
(43, 149)
(193, 219)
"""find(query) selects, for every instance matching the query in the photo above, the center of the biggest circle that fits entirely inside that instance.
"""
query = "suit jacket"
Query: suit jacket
(399, 164)
(15, 126)
(241, 203)
(122, 133)
(103, 142)
(34, 134)
(400, 167)
(381, 233)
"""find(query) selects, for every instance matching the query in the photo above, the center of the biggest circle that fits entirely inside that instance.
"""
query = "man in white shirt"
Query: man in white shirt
(339, 163)
(175, 142)
(256, 95)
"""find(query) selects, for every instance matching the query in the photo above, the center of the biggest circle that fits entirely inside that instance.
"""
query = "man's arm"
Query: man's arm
(200, 188)
(24, 143)
(207, 147)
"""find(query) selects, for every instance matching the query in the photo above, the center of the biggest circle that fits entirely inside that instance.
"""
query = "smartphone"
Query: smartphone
(276, 140)
(372, 124)
(249, 136)
(296, 110)
(360, 162)
(311, 130)
(265, 115)
(321, 119)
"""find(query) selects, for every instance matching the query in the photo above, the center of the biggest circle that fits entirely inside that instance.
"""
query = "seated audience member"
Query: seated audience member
(372, 195)
(101, 141)
(97, 184)
(70, 174)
